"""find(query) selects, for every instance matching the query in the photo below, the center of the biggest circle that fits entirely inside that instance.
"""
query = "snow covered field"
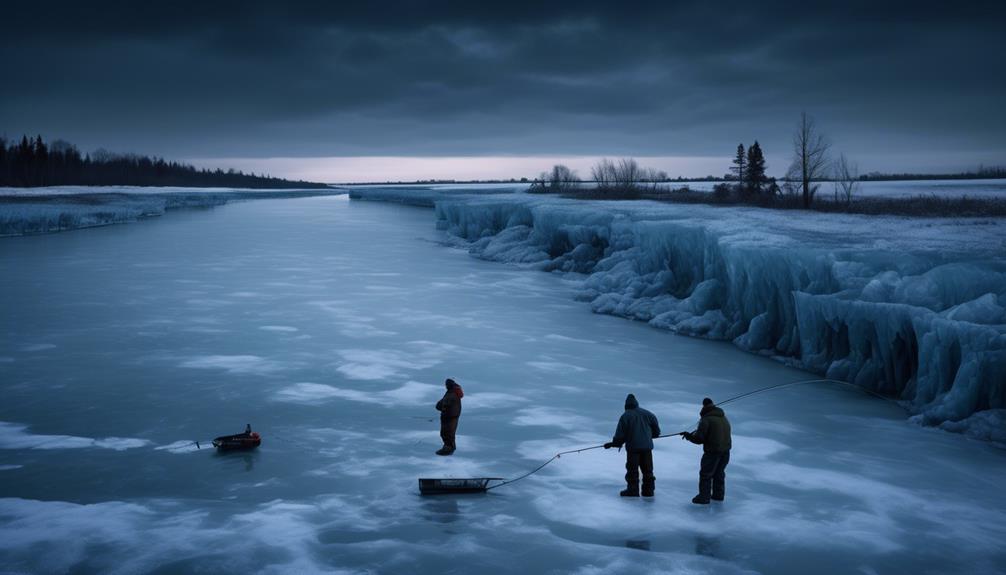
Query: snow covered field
(913, 308)
(893, 189)
(329, 325)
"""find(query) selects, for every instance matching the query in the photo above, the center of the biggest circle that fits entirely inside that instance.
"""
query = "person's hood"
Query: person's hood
(712, 411)
(630, 402)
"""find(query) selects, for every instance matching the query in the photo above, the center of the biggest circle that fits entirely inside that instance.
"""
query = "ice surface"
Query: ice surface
(905, 307)
(15, 436)
(148, 338)
(426, 196)
(61, 208)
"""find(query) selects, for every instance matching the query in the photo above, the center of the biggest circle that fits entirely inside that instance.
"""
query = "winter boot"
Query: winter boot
(630, 491)
(445, 451)
(700, 500)
(648, 485)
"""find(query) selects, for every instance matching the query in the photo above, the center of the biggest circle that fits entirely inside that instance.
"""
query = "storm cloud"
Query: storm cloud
(267, 79)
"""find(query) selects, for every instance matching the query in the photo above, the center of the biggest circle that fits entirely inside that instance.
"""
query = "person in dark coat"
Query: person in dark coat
(449, 407)
(713, 434)
(636, 429)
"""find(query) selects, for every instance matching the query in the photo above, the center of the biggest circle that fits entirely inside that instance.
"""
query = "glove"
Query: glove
(609, 445)
(686, 435)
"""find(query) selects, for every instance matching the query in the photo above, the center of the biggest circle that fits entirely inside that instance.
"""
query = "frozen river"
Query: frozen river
(330, 325)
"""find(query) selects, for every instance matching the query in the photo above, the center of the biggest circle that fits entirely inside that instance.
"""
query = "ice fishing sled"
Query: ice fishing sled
(247, 440)
(444, 486)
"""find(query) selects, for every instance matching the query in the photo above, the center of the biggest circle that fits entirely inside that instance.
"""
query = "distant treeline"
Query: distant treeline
(982, 173)
(34, 163)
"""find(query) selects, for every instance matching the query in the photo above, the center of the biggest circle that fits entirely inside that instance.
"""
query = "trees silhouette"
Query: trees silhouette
(846, 176)
(561, 178)
(740, 164)
(33, 163)
(754, 178)
(810, 158)
(621, 175)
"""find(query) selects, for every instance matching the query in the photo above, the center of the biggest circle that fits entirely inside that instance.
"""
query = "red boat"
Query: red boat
(247, 440)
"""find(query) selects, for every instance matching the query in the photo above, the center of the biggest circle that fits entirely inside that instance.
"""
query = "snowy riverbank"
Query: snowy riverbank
(912, 308)
(54, 209)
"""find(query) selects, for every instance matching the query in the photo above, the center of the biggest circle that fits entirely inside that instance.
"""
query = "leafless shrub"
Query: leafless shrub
(846, 176)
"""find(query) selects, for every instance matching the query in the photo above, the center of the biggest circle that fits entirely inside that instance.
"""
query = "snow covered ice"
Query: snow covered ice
(330, 324)
(61, 208)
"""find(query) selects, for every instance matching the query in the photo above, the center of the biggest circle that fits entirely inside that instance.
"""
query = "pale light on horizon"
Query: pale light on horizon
(362, 169)
(374, 169)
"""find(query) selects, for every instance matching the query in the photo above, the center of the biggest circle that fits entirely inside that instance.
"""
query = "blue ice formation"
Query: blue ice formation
(910, 308)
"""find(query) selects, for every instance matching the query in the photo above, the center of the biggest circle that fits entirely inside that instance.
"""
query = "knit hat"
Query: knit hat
(706, 401)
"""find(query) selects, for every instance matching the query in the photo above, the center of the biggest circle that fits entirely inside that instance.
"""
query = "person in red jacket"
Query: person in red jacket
(449, 407)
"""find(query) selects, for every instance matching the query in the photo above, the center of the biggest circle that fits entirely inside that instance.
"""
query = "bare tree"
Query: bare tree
(603, 173)
(846, 176)
(627, 173)
(810, 158)
(561, 179)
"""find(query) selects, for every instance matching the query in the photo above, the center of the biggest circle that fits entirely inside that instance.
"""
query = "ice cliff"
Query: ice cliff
(911, 308)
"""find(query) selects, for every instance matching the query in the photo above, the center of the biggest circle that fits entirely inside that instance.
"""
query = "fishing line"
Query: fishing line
(724, 402)
(536, 470)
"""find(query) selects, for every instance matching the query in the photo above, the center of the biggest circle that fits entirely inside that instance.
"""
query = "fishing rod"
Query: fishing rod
(805, 382)
(681, 433)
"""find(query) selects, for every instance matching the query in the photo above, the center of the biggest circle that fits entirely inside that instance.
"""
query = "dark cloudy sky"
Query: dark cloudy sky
(335, 87)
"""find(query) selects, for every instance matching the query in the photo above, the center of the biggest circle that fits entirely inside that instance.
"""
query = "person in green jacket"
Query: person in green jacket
(713, 434)
(636, 429)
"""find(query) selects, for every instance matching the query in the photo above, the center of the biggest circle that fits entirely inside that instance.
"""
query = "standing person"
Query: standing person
(449, 407)
(636, 429)
(713, 434)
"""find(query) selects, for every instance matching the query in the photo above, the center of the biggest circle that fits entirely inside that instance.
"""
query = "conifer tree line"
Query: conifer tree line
(34, 163)
(749, 171)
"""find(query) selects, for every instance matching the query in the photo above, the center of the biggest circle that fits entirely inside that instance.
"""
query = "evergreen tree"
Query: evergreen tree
(23, 159)
(740, 164)
(755, 180)
(32, 162)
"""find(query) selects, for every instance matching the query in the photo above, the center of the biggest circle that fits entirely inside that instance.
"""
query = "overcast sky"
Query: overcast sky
(369, 90)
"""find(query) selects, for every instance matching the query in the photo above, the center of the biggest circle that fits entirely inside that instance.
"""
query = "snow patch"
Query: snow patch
(234, 364)
(16, 436)
(412, 393)
(280, 328)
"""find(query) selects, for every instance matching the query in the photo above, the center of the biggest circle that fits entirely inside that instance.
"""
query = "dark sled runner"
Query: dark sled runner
(430, 486)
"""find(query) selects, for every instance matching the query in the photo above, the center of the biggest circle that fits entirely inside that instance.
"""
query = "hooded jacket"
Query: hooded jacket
(713, 433)
(449, 405)
(636, 428)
